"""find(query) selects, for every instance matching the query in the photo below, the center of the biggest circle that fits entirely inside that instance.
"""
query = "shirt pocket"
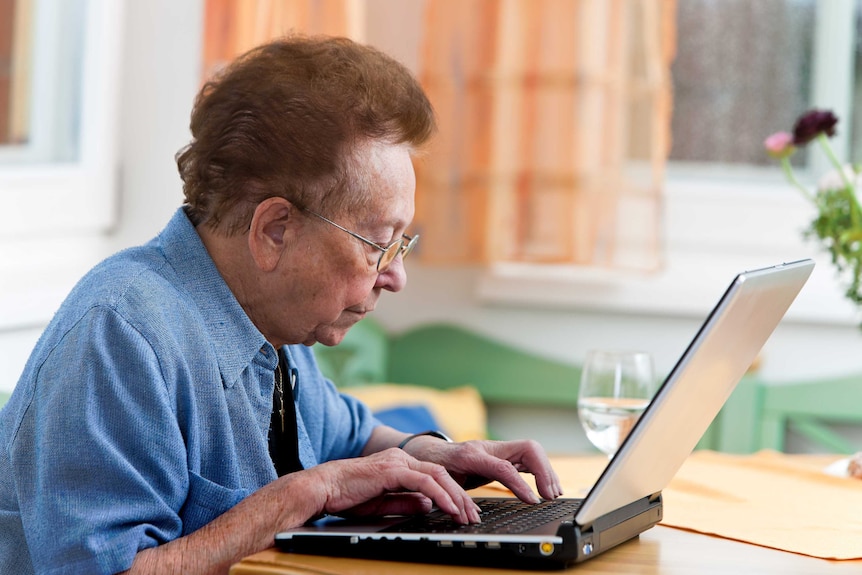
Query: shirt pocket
(206, 501)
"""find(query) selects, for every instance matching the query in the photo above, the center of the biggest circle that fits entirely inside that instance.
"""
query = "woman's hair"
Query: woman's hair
(286, 119)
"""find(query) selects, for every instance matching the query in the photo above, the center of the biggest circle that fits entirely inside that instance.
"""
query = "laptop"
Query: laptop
(627, 498)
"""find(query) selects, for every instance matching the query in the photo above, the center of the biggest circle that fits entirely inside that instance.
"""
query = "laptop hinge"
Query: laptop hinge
(613, 528)
(622, 514)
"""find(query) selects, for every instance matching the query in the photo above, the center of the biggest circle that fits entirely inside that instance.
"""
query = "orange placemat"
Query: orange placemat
(770, 500)
(786, 502)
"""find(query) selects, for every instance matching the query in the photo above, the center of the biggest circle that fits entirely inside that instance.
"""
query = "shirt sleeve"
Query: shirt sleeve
(109, 471)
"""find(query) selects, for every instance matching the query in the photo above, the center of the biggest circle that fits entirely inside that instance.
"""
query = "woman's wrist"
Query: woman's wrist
(430, 433)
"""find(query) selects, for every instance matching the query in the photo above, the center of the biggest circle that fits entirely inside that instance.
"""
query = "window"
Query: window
(58, 97)
(742, 71)
(41, 91)
(747, 69)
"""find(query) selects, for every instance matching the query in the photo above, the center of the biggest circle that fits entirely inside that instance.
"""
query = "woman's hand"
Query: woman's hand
(473, 463)
(389, 482)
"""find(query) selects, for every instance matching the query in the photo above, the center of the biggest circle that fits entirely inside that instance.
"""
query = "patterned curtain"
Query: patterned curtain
(554, 130)
(554, 117)
(232, 27)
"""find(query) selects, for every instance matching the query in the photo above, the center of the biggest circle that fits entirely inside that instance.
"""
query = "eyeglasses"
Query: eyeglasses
(404, 245)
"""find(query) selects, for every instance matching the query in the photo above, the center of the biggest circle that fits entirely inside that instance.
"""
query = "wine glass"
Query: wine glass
(616, 387)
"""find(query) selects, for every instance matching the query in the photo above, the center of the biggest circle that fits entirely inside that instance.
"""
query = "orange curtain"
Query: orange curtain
(232, 27)
(554, 130)
(16, 50)
(554, 117)
(7, 12)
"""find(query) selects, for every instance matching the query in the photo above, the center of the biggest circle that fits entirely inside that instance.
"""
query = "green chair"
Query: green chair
(759, 415)
(443, 356)
(360, 358)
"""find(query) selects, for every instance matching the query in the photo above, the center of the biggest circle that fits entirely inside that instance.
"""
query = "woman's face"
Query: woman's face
(330, 281)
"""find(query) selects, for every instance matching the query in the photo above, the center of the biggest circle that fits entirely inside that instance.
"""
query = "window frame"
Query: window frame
(60, 198)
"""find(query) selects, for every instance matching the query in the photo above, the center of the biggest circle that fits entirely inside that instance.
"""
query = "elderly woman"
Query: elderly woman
(171, 418)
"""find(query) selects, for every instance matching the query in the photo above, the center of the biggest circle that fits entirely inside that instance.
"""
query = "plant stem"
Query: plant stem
(791, 177)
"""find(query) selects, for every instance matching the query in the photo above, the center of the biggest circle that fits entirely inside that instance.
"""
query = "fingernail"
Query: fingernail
(476, 518)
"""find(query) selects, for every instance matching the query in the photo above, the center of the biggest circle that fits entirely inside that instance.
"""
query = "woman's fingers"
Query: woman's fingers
(433, 478)
(528, 456)
(393, 504)
(504, 461)
(356, 483)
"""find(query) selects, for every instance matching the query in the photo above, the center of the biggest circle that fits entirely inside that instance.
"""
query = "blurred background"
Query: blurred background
(598, 179)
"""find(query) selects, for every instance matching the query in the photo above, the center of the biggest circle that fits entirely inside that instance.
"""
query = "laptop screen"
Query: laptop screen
(697, 387)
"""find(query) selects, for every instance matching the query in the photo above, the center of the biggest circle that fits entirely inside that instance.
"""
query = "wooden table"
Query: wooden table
(660, 550)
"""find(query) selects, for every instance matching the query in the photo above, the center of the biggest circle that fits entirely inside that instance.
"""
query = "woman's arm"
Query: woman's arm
(362, 485)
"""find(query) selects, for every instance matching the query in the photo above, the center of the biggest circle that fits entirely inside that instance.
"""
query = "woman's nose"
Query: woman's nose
(394, 278)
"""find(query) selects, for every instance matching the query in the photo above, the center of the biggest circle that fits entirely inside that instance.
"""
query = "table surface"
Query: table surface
(660, 550)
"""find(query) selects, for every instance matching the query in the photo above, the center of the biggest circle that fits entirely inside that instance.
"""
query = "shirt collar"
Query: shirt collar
(233, 335)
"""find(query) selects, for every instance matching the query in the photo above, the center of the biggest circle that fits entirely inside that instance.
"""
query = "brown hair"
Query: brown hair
(286, 118)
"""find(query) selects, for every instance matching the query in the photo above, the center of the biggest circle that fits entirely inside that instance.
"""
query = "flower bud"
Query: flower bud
(812, 123)
(779, 145)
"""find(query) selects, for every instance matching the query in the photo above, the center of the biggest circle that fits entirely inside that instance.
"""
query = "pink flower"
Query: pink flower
(780, 145)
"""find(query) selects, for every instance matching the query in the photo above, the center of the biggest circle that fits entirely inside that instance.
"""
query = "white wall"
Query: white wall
(161, 75)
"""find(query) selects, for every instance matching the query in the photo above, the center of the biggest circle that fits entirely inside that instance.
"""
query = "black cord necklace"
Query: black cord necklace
(279, 394)
(283, 438)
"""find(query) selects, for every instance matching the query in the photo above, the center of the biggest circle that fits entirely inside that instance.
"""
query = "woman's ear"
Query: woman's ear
(268, 233)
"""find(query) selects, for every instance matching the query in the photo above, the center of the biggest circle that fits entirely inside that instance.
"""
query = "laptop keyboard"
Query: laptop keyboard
(498, 516)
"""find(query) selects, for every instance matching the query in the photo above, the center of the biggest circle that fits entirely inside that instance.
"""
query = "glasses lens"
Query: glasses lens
(403, 246)
(411, 243)
(387, 257)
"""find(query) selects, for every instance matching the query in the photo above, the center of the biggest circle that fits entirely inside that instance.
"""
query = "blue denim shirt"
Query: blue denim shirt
(143, 413)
